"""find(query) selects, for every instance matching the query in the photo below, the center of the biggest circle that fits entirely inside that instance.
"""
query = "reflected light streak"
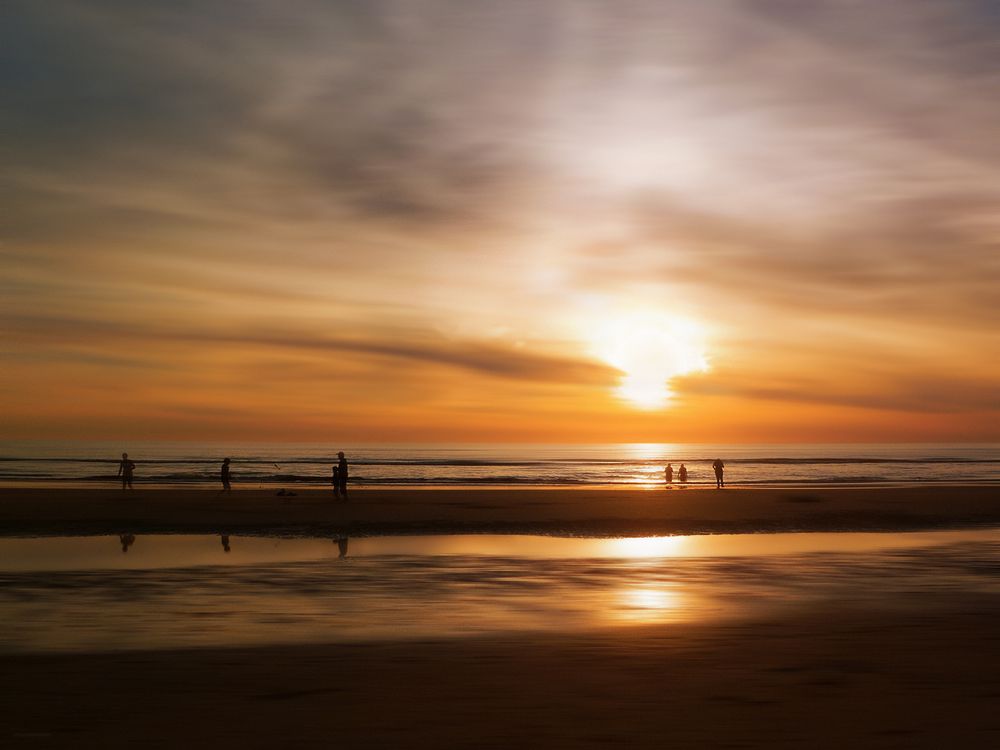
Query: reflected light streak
(648, 605)
(653, 546)
(649, 451)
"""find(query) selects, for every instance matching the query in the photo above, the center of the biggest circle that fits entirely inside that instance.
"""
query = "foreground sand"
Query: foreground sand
(571, 511)
(829, 680)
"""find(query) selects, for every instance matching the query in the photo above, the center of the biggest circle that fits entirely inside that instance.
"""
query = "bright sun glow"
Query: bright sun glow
(650, 348)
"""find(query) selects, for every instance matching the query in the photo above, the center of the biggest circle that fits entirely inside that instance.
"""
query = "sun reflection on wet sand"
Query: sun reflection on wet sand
(649, 546)
(647, 605)
(85, 593)
(150, 551)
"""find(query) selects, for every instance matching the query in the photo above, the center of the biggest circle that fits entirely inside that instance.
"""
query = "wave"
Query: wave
(416, 462)
(497, 480)
(510, 465)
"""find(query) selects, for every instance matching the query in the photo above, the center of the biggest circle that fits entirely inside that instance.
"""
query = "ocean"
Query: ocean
(635, 464)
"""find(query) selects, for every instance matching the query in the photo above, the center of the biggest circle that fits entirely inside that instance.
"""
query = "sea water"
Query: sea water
(633, 464)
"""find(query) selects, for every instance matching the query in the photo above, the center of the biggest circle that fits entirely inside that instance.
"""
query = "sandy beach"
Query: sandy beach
(627, 512)
(826, 680)
(909, 673)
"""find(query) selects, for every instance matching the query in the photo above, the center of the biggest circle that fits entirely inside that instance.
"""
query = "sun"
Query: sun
(650, 348)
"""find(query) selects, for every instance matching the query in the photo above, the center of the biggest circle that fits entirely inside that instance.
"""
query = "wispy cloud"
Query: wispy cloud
(401, 185)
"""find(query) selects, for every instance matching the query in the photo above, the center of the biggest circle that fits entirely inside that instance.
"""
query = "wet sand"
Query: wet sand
(629, 512)
(829, 680)
(840, 675)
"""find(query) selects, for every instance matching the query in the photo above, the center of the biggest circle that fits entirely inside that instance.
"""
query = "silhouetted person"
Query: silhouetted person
(335, 480)
(125, 469)
(342, 474)
(668, 474)
(719, 467)
(224, 475)
(682, 474)
(225, 542)
(341, 547)
(127, 540)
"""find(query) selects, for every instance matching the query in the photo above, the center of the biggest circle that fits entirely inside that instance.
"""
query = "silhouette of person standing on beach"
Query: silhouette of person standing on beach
(225, 542)
(719, 467)
(127, 540)
(682, 474)
(224, 475)
(335, 480)
(125, 469)
(341, 547)
(668, 474)
(342, 474)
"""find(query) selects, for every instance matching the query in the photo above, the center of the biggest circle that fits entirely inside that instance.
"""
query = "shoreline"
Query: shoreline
(208, 485)
(553, 511)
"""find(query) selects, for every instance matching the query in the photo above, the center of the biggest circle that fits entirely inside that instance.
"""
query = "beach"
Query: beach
(845, 652)
(832, 679)
(625, 512)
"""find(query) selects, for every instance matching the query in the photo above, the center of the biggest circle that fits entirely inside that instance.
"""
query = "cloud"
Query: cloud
(816, 181)
(938, 393)
(906, 259)
(490, 359)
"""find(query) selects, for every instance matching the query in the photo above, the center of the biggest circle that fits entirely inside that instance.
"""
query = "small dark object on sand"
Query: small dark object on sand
(283, 493)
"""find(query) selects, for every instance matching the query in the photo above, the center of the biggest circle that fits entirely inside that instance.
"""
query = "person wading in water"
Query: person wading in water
(224, 475)
(125, 469)
(342, 474)
(719, 467)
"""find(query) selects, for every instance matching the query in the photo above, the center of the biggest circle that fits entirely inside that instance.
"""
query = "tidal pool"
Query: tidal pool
(164, 591)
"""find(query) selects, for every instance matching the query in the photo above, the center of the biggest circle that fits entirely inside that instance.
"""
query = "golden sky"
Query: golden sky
(430, 221)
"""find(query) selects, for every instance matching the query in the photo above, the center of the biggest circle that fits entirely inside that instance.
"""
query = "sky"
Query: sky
(568, 221)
